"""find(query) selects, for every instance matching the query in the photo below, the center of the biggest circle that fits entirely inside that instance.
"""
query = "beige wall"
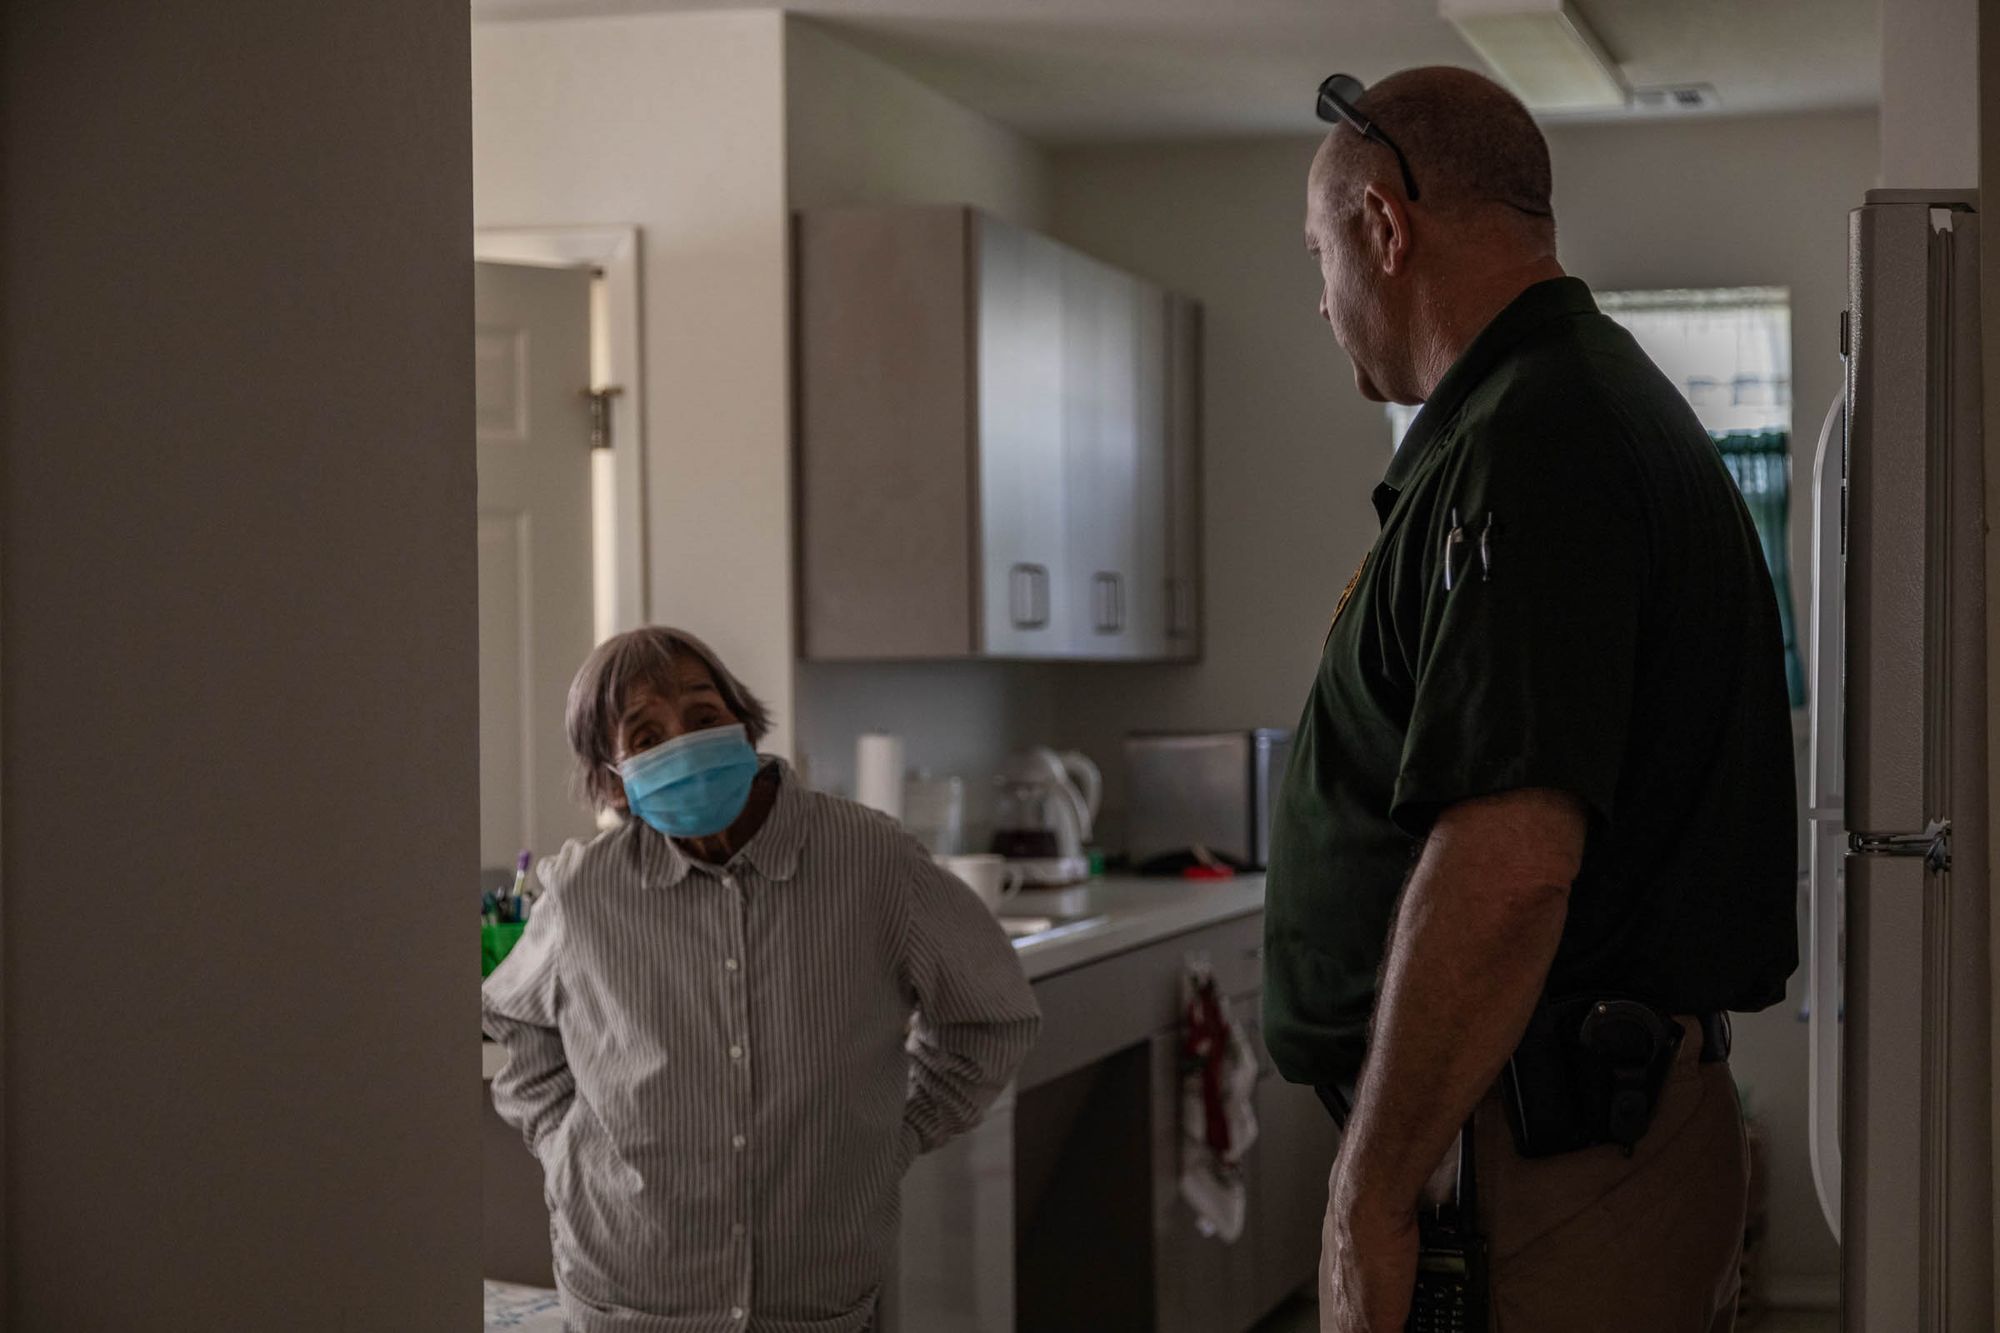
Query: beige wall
(675, 123)
(862, 132)
(1930, 93)
(1292, 450)
(239, 708)
(586, 121)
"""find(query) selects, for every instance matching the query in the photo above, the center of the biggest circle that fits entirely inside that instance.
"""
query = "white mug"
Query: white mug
(985, 874)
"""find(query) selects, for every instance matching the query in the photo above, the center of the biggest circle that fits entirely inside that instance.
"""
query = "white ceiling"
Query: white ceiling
(1065, 71)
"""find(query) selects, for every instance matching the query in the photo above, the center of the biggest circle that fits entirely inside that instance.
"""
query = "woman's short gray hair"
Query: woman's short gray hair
(602, 689)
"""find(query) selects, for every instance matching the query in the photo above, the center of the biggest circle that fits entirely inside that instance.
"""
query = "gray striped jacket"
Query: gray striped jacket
(719, 1070)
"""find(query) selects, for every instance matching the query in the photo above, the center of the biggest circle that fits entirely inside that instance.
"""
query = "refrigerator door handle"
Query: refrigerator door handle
(1933, 844)
(1826, 852)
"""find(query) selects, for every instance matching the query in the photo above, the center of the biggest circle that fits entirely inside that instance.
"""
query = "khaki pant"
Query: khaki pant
(1593, 1241)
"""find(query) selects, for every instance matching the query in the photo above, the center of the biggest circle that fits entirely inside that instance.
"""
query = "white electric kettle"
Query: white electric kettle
(1042, 822)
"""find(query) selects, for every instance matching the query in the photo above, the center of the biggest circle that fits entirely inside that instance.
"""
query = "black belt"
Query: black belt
(1716, 1037)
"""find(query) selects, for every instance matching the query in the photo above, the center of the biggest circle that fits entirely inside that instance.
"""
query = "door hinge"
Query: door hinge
(600, 414)
(1933, 844)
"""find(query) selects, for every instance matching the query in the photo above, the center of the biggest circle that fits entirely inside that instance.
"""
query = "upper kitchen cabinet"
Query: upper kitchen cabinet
(1183, 479)
(996, 453)
(1020, 542)
(1115, 460)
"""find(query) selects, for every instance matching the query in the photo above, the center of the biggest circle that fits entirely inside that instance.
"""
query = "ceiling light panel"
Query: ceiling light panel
(1542, 49)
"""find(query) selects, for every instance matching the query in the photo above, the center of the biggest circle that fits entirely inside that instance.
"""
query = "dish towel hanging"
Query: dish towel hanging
(1218, 1120)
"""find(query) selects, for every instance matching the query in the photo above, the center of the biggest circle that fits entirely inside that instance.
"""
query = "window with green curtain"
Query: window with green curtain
(1761, 462)
(1730, 351)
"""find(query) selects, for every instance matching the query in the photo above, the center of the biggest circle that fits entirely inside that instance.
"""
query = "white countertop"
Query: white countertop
(1133, 913)
(1110, 915)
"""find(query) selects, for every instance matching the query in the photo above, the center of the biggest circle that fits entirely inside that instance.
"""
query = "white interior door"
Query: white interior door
(532, 353)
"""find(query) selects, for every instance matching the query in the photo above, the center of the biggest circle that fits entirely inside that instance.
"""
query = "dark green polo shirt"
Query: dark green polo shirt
(1609, 630)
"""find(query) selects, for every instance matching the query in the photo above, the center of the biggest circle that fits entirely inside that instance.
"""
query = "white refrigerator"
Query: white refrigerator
(1898, 987)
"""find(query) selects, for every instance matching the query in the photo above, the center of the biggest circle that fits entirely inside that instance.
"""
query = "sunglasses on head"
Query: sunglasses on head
(1337, 95)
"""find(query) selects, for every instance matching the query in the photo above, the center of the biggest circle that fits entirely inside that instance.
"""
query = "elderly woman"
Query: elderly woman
(708, 1020)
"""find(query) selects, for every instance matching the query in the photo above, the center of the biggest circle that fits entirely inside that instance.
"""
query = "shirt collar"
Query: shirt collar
(773, 851)
(1552, 299)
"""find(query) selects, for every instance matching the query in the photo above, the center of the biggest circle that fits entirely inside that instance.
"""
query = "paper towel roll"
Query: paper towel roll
(878, 773)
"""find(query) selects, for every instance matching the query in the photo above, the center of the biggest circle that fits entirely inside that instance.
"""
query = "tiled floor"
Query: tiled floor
(1302, 1316)
(1795, 1321)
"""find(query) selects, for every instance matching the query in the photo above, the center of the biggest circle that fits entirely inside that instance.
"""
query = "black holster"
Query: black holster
(1589, 1070)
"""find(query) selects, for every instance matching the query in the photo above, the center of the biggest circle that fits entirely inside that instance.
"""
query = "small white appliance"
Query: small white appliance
(1211, 789)
(1042, 823)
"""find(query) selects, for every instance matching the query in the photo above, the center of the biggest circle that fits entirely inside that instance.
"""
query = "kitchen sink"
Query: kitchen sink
(1035, 929)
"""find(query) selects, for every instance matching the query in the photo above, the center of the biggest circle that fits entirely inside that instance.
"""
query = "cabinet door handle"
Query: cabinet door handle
(1107, 603)
(1028, 596)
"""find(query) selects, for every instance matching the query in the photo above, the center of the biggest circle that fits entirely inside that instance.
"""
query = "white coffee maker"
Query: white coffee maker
(1042, 821)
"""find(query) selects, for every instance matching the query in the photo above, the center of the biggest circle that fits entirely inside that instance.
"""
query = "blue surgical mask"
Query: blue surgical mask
(693, 786)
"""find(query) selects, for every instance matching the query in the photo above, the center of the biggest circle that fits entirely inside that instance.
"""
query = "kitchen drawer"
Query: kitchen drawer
(1105, 1006)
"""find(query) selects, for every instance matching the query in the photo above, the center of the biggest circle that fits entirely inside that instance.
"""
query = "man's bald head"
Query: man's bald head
(1405, 284)
(1471, 146)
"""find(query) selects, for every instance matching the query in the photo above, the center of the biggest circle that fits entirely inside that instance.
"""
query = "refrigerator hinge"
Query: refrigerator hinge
(599, 401)
(1933, 844)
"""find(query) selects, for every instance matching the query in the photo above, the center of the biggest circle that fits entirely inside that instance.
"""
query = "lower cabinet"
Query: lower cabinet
(955, 1260)
(1200, 1283)
(1288, 1178)
(1083, 1245)
(1203, 1284)
(1063, 1213)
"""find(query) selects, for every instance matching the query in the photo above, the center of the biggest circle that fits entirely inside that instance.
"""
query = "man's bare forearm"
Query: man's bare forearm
(1467, 960)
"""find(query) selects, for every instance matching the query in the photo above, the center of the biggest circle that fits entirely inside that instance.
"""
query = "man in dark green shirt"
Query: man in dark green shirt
(1547, 753)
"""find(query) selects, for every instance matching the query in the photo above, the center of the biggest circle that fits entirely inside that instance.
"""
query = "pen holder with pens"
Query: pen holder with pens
(503, 915)
(494, 943)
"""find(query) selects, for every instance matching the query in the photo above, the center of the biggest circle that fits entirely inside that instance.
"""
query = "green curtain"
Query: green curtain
(1761, 462)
